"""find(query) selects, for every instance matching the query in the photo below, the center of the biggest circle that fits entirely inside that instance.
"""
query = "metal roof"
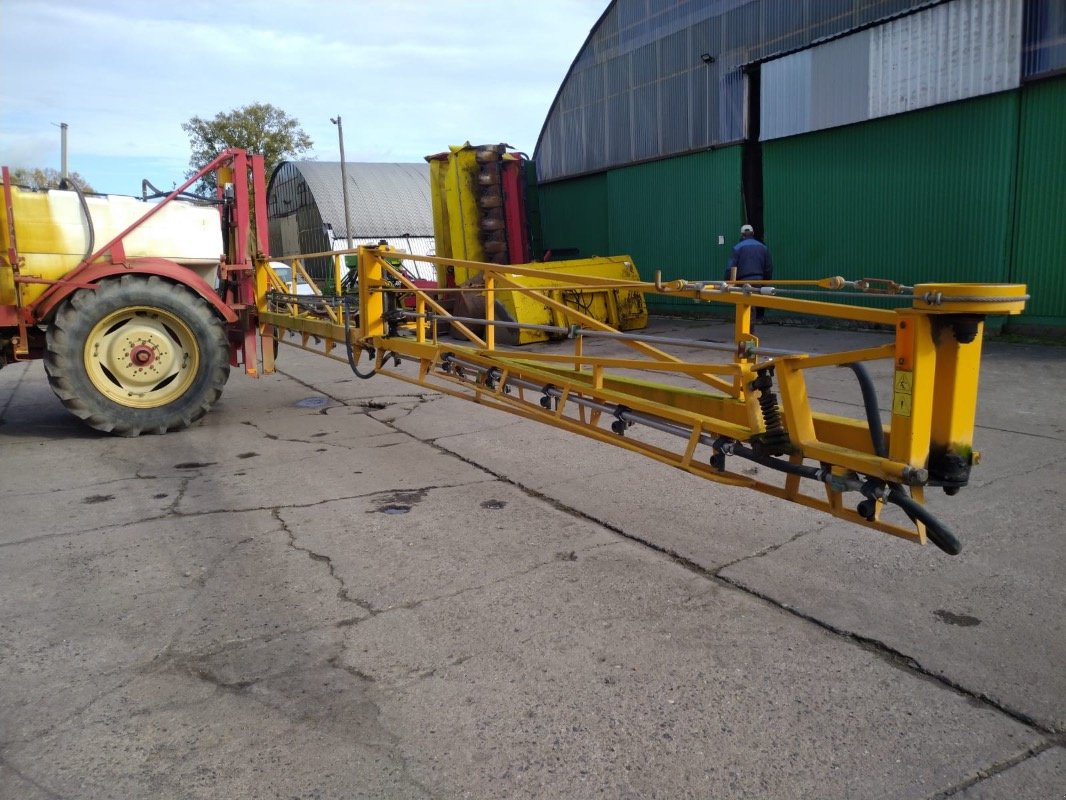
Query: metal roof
(662, 79)
(385, 199)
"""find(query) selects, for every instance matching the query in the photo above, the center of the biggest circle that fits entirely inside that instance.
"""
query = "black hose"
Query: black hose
(88, 217)
(873, 414)
(157, 193)
(897, 495)
(788, 467)
(938, 534)
(346, 305)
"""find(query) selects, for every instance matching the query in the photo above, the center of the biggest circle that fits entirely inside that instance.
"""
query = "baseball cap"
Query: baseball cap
(747, 229)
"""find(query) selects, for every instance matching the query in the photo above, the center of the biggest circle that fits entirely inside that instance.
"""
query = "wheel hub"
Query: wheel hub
(139, 355)
(143, 357)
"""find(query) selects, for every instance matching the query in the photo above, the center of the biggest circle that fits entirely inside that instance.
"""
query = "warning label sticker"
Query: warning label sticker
(902, 392)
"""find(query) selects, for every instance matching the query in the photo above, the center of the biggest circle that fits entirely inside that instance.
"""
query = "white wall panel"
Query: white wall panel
(961, 49)
(785, 102)
(840, 86)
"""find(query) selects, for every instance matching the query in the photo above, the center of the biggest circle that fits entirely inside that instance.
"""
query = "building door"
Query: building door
(751, 153)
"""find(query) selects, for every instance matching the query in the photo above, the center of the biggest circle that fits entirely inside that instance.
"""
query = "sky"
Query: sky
(408, 77)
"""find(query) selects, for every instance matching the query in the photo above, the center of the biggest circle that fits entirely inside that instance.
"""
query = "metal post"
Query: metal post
(63, 151)
(344, 180)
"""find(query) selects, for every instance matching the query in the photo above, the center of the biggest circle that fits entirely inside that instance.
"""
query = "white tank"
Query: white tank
(52, 233)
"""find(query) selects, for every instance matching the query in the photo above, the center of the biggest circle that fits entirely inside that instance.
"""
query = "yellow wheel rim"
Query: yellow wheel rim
(141, 357)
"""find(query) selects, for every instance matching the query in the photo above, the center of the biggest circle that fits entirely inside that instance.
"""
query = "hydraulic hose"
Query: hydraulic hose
(897, 495)
(873, 414)
(157, 193)
(938, 534)
(346, 305)
(88, 217)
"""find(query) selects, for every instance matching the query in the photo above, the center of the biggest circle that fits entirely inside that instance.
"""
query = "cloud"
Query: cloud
(409, 78)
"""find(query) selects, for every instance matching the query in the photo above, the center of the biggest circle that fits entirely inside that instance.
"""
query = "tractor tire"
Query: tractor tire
(137, 355)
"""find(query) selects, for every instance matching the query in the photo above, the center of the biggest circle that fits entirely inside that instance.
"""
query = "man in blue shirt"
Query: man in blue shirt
(750, 258)
(750, 261)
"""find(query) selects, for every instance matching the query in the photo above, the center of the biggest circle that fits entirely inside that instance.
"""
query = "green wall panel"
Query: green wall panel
(1040, 223)
(973, 191)
(573, 214)
(917, 197)
(666, 214)
(669, 214)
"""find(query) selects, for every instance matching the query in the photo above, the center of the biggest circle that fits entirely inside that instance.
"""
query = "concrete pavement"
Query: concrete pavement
(334, 588)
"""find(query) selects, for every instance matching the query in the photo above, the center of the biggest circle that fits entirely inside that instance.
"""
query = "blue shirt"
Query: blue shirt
(752, 260)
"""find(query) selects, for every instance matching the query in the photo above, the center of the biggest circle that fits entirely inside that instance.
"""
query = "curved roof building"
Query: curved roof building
(917, 140)
(305, 207)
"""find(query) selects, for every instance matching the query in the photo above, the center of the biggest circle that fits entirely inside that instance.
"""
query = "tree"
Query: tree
(47, 178)
(257, 128)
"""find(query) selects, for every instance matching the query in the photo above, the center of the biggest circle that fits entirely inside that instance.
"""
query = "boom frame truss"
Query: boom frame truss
(753, 403)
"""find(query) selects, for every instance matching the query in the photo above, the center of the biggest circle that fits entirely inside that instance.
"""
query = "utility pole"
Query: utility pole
(63, 151)
(344, 180)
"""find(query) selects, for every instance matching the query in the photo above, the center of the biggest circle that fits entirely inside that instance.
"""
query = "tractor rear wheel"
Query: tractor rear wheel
(137, 355)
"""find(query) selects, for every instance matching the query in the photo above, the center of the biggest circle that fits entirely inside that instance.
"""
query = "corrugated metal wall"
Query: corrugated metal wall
(294, 218)
(1040, 224)
(573, 215)
(666, 214)
(966, 190)
(915, 197)
(949, 52)
(644, 56)
(1044, 40)
(972, 191)
(669, 214)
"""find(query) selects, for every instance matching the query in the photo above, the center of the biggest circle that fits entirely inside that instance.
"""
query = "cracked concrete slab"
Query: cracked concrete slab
(990, 619)
(1043, 775)
(396, 549)
(303, 477)
(625, 674)
(14, 784)
(709, 524)
(110, 500)
(403, 595)
(159, 585)
(194, 739)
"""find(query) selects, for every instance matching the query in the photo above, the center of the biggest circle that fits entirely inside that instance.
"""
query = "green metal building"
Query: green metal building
(916, 141)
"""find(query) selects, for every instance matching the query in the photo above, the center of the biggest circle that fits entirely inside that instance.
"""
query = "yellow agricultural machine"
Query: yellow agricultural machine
(480, 213)
(142, 343)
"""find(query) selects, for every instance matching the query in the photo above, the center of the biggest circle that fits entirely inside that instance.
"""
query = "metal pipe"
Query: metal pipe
(574, 331)
(431, 317)
(344, 181)
(820, 474)
(620, 412)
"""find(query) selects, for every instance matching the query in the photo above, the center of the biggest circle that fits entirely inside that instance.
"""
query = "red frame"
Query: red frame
(237, 306)
(512, 179)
